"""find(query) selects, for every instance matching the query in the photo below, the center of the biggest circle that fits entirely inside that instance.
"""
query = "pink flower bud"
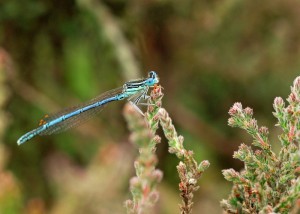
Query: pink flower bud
(231, 121)
(297, 83)
(236, 108)
(248, 111)
(135, 182)
(292, 97)
(157, 175)
(203, 165)
(278, 103)
(263, 130)
(253, 124)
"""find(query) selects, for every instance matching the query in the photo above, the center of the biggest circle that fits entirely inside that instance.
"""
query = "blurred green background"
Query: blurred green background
(208, 54)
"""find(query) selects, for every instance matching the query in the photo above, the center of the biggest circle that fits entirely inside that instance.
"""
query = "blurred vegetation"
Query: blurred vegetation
(208, 54)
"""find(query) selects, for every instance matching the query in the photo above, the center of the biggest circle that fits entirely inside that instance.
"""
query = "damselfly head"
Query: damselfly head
(152, 78)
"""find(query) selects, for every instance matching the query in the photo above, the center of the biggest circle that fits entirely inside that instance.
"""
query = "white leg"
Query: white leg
(136, 107)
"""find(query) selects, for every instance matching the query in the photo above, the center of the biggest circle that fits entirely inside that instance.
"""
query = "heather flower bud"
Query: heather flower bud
(263, 130)
(230, 174)
(157, 139)
(157, 175)
(296, 85)
(292, 97)
(180, 139)
(181, 167)
(278, 103)
(253, 124)
(231, 122)
(203, 165)
(135, 182)
(153, 197)
(236, 108)
(172, 150)
(248, 111)
(232, 111)
(238, 105)
(182, 170)
(290, 110)
(243, 152)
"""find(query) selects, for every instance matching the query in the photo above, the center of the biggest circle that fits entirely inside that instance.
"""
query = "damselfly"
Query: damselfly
(135, 91)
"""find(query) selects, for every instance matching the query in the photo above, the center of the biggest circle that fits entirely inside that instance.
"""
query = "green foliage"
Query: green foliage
(79, 68)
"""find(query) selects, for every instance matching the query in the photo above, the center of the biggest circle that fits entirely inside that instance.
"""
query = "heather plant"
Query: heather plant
(143, 185)
(269, 182)
(188, 169)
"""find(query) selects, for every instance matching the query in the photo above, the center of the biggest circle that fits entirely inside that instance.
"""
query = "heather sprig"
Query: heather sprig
(143, 185)
(143, 130)
(143, 134)
(188, 169)
(269, 183)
